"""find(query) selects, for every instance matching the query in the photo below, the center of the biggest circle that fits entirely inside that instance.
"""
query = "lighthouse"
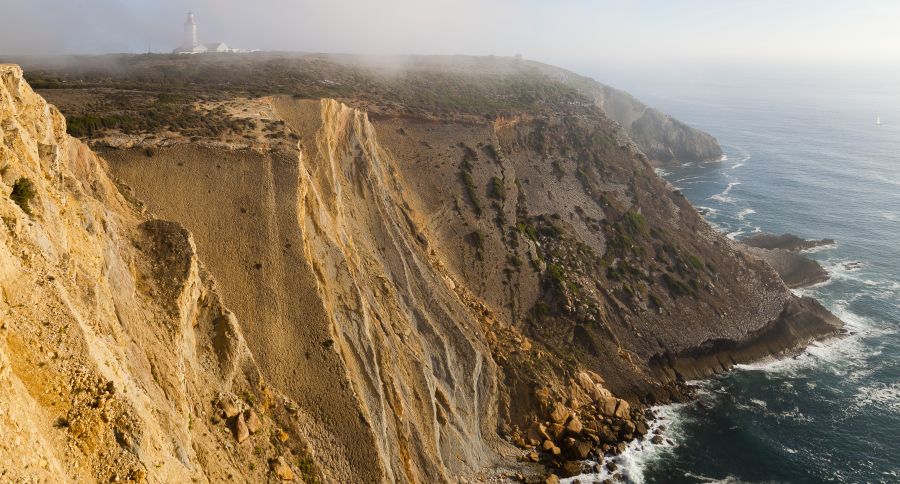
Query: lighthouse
(190, 44)
(190, 33)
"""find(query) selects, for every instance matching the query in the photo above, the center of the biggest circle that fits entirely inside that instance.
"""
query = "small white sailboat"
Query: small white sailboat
(877, 120)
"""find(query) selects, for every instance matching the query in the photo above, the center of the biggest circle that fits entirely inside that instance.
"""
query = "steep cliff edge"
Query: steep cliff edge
(118, 361)
(664, 139)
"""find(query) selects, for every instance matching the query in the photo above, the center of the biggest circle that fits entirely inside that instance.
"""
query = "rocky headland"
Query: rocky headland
(783, 253)
(305, 268)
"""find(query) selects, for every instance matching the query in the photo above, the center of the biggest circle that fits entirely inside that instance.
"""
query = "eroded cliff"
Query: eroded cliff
(118, 360)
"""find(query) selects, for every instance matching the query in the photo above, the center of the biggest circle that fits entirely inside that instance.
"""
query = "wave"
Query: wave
(723, 197)
(844, 356)
(707, 210)
(631, 464)
(744, 213)
(880, 395)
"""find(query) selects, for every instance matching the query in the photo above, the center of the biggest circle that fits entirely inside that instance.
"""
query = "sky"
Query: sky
(654, 36)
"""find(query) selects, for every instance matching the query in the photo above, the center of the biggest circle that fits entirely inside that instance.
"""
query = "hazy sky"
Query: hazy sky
(567, 32)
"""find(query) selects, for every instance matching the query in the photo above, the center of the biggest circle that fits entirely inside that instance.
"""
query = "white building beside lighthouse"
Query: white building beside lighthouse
(190, 44)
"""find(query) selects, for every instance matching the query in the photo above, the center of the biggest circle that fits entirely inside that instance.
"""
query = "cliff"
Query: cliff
(421, 292)
(118, 360)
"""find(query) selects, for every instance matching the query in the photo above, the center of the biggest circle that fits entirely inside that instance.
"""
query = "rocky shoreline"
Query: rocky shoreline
(583, 439)
(783, 253)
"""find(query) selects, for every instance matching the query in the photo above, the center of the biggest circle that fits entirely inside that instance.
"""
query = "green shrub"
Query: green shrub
(696, 262)
(557, 276)
(498, 191)
(636, 223)
(307, 468)
(676, 287)
(471, 193)
(23, 193)
(528, 230)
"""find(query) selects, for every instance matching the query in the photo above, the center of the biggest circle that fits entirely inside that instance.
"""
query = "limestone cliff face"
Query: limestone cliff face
(416, 356)
(114, 343)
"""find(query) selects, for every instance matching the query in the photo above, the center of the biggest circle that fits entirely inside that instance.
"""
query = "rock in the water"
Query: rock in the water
(640, 428)
(612, 466)
(656, 439)
(787, 242)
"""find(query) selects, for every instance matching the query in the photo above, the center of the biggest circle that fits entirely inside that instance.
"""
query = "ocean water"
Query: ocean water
(812, 163)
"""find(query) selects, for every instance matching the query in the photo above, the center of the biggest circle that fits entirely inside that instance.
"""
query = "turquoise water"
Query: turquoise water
(816, 165)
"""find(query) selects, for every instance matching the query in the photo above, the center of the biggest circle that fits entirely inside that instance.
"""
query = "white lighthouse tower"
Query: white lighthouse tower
(190, 44)
(190, 33)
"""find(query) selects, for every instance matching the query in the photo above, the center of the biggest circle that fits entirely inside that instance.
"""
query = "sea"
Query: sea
(811, 161)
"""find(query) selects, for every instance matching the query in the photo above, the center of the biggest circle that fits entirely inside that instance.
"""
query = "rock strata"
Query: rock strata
(788, 242)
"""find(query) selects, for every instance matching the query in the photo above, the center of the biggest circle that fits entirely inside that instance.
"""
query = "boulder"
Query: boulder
(229, 405)
(239, 428)
(622, 409)
(580, 449)
(552, 448)
(560, 413)
(551, 479)
(607, 406)
(570, 468)
(555, 431)
(574, 426)
(640, 428)
(656, 439)
(254, 424)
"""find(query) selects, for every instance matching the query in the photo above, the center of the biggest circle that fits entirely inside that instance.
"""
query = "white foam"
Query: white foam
(723, 197)
(744, 213)
(880, 395)
(847, 356)
(733, 235)
(820, 248)
(639, 453)
(707, 210)
(662, 173)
